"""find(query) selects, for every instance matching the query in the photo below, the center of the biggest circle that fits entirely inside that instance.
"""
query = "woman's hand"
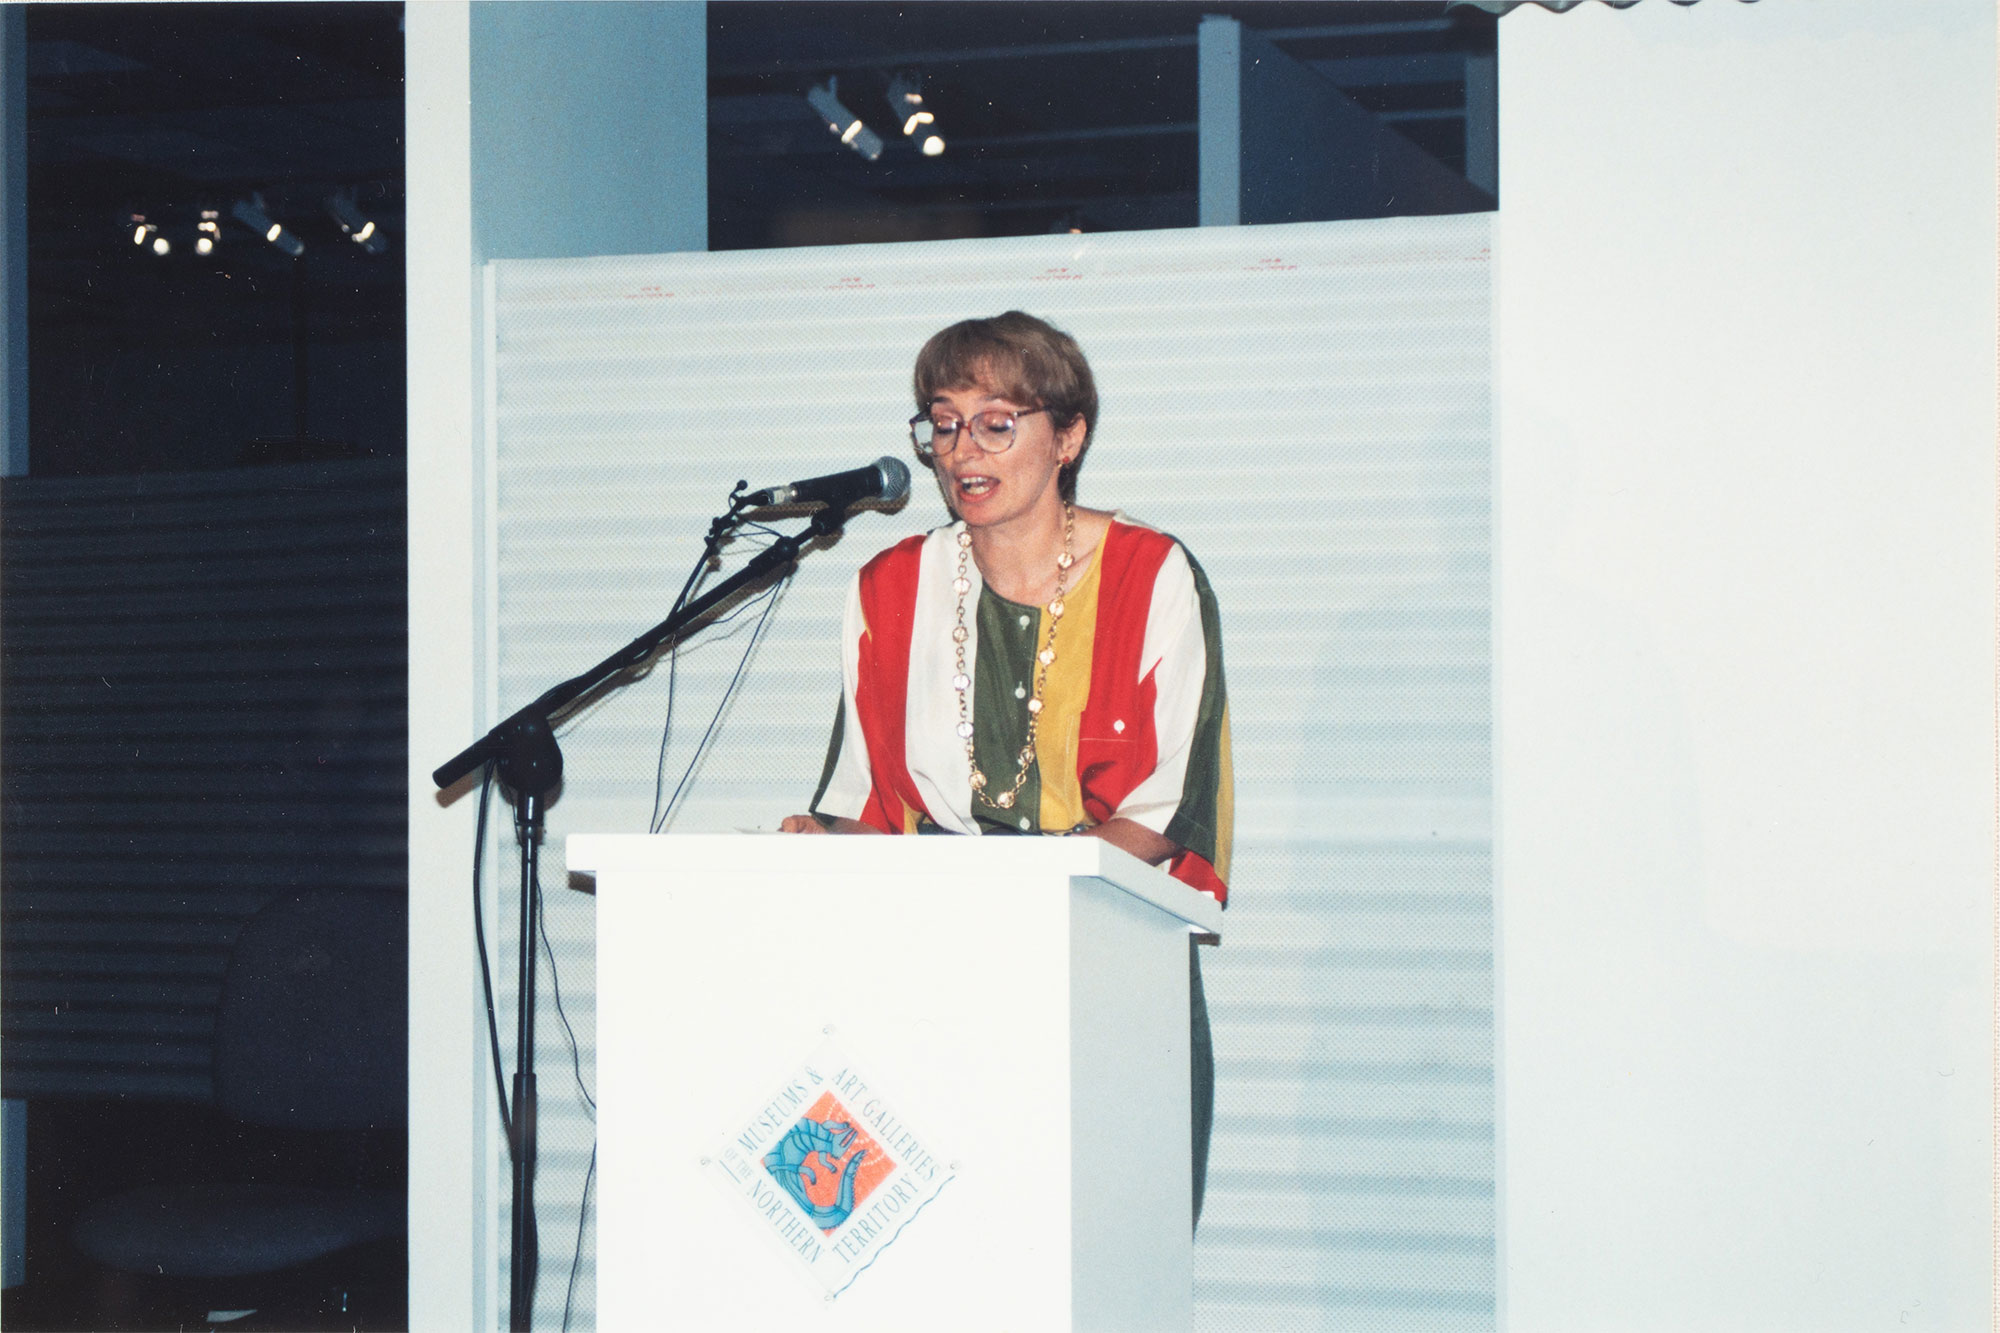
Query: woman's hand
(1130, 836)
(809, 824)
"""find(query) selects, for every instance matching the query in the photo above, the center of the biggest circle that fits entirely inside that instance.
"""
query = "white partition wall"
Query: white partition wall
(450, 1284)
(1745, 654)
(1307, 408)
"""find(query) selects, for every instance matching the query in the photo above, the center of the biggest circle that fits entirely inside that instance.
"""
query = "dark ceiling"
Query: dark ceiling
(1054, 115)
(140, 361)
(167, 109)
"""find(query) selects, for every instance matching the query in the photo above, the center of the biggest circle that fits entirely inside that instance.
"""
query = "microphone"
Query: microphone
(884, 479)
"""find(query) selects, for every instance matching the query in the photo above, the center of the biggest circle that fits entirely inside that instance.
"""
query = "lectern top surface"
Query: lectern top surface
(1050, 858)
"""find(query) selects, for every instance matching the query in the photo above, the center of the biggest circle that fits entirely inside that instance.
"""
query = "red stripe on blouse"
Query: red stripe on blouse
(882, 681)
(1116, 745)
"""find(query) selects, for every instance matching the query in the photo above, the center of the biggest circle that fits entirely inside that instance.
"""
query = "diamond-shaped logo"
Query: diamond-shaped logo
(827, 1164)
(829, 1169)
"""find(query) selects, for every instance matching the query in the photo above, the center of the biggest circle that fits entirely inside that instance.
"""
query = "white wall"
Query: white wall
(1745, 649)
(450, 1256)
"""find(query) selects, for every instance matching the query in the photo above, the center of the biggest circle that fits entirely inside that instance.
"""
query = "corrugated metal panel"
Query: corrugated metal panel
(1308, 408)
(204, 706)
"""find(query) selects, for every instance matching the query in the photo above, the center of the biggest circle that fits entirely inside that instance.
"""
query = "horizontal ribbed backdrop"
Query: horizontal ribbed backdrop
(1308, 408)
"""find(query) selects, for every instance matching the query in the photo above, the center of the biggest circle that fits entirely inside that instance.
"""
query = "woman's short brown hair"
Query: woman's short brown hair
(1023, 358)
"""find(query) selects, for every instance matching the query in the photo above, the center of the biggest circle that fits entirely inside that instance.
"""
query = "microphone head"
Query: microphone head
(895, 478)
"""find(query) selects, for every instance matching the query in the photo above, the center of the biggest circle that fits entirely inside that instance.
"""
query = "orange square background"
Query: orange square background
(866, 1176)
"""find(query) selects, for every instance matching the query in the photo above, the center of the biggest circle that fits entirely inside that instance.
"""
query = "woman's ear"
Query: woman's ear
(1069, 440)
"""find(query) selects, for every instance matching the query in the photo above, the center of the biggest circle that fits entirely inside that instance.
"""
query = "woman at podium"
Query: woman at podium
(1033, 667)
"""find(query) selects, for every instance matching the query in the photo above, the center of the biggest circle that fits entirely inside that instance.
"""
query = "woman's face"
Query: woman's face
(990, 490)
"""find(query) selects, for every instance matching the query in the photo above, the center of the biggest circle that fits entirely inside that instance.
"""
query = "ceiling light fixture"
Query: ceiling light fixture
(250, 212)
(207, 231)
(340, 205)
(844, 123)
(906, 102)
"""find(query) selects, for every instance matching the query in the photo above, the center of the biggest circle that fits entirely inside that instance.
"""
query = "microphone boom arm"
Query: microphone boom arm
(779, 554)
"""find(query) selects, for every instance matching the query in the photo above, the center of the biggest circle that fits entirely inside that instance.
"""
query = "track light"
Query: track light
(906, 103)
(362, 231)
(250, 212)
(146, 235)
(843, 122)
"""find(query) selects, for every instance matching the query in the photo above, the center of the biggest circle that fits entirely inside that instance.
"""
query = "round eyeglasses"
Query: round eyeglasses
(937, 434)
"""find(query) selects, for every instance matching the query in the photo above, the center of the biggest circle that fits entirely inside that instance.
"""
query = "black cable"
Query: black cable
(770, 600)
(576, 1069)
(767, 600)
(582, 1212)
(653, 824)
(694, 575)
(555, 986)
(666, 737)
(673, 675)
(486, 968)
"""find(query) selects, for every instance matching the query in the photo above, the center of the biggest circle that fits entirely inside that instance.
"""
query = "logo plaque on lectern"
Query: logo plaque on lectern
(829, 1169)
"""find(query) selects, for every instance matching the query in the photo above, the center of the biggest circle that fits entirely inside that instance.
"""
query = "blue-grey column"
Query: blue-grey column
(13, 1193)
(1219, 118)
(1482, 122)
(589, 127)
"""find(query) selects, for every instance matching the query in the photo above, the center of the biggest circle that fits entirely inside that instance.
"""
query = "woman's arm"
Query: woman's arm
(847, 777)
(1128, 835)
(1187, 797)
(808, 824)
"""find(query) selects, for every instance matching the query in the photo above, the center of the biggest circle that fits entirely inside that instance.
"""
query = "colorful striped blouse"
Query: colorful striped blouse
(1134, 723)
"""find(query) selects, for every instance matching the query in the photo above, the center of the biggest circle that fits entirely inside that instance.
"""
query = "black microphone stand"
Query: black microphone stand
(530, 766)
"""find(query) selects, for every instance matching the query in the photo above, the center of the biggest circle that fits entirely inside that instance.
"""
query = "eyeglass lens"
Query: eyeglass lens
(991, 431)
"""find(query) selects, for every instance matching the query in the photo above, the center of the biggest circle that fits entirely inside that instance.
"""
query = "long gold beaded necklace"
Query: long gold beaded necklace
(962, 680)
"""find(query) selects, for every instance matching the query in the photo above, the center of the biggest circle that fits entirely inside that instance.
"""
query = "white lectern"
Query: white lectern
(970, 1057)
